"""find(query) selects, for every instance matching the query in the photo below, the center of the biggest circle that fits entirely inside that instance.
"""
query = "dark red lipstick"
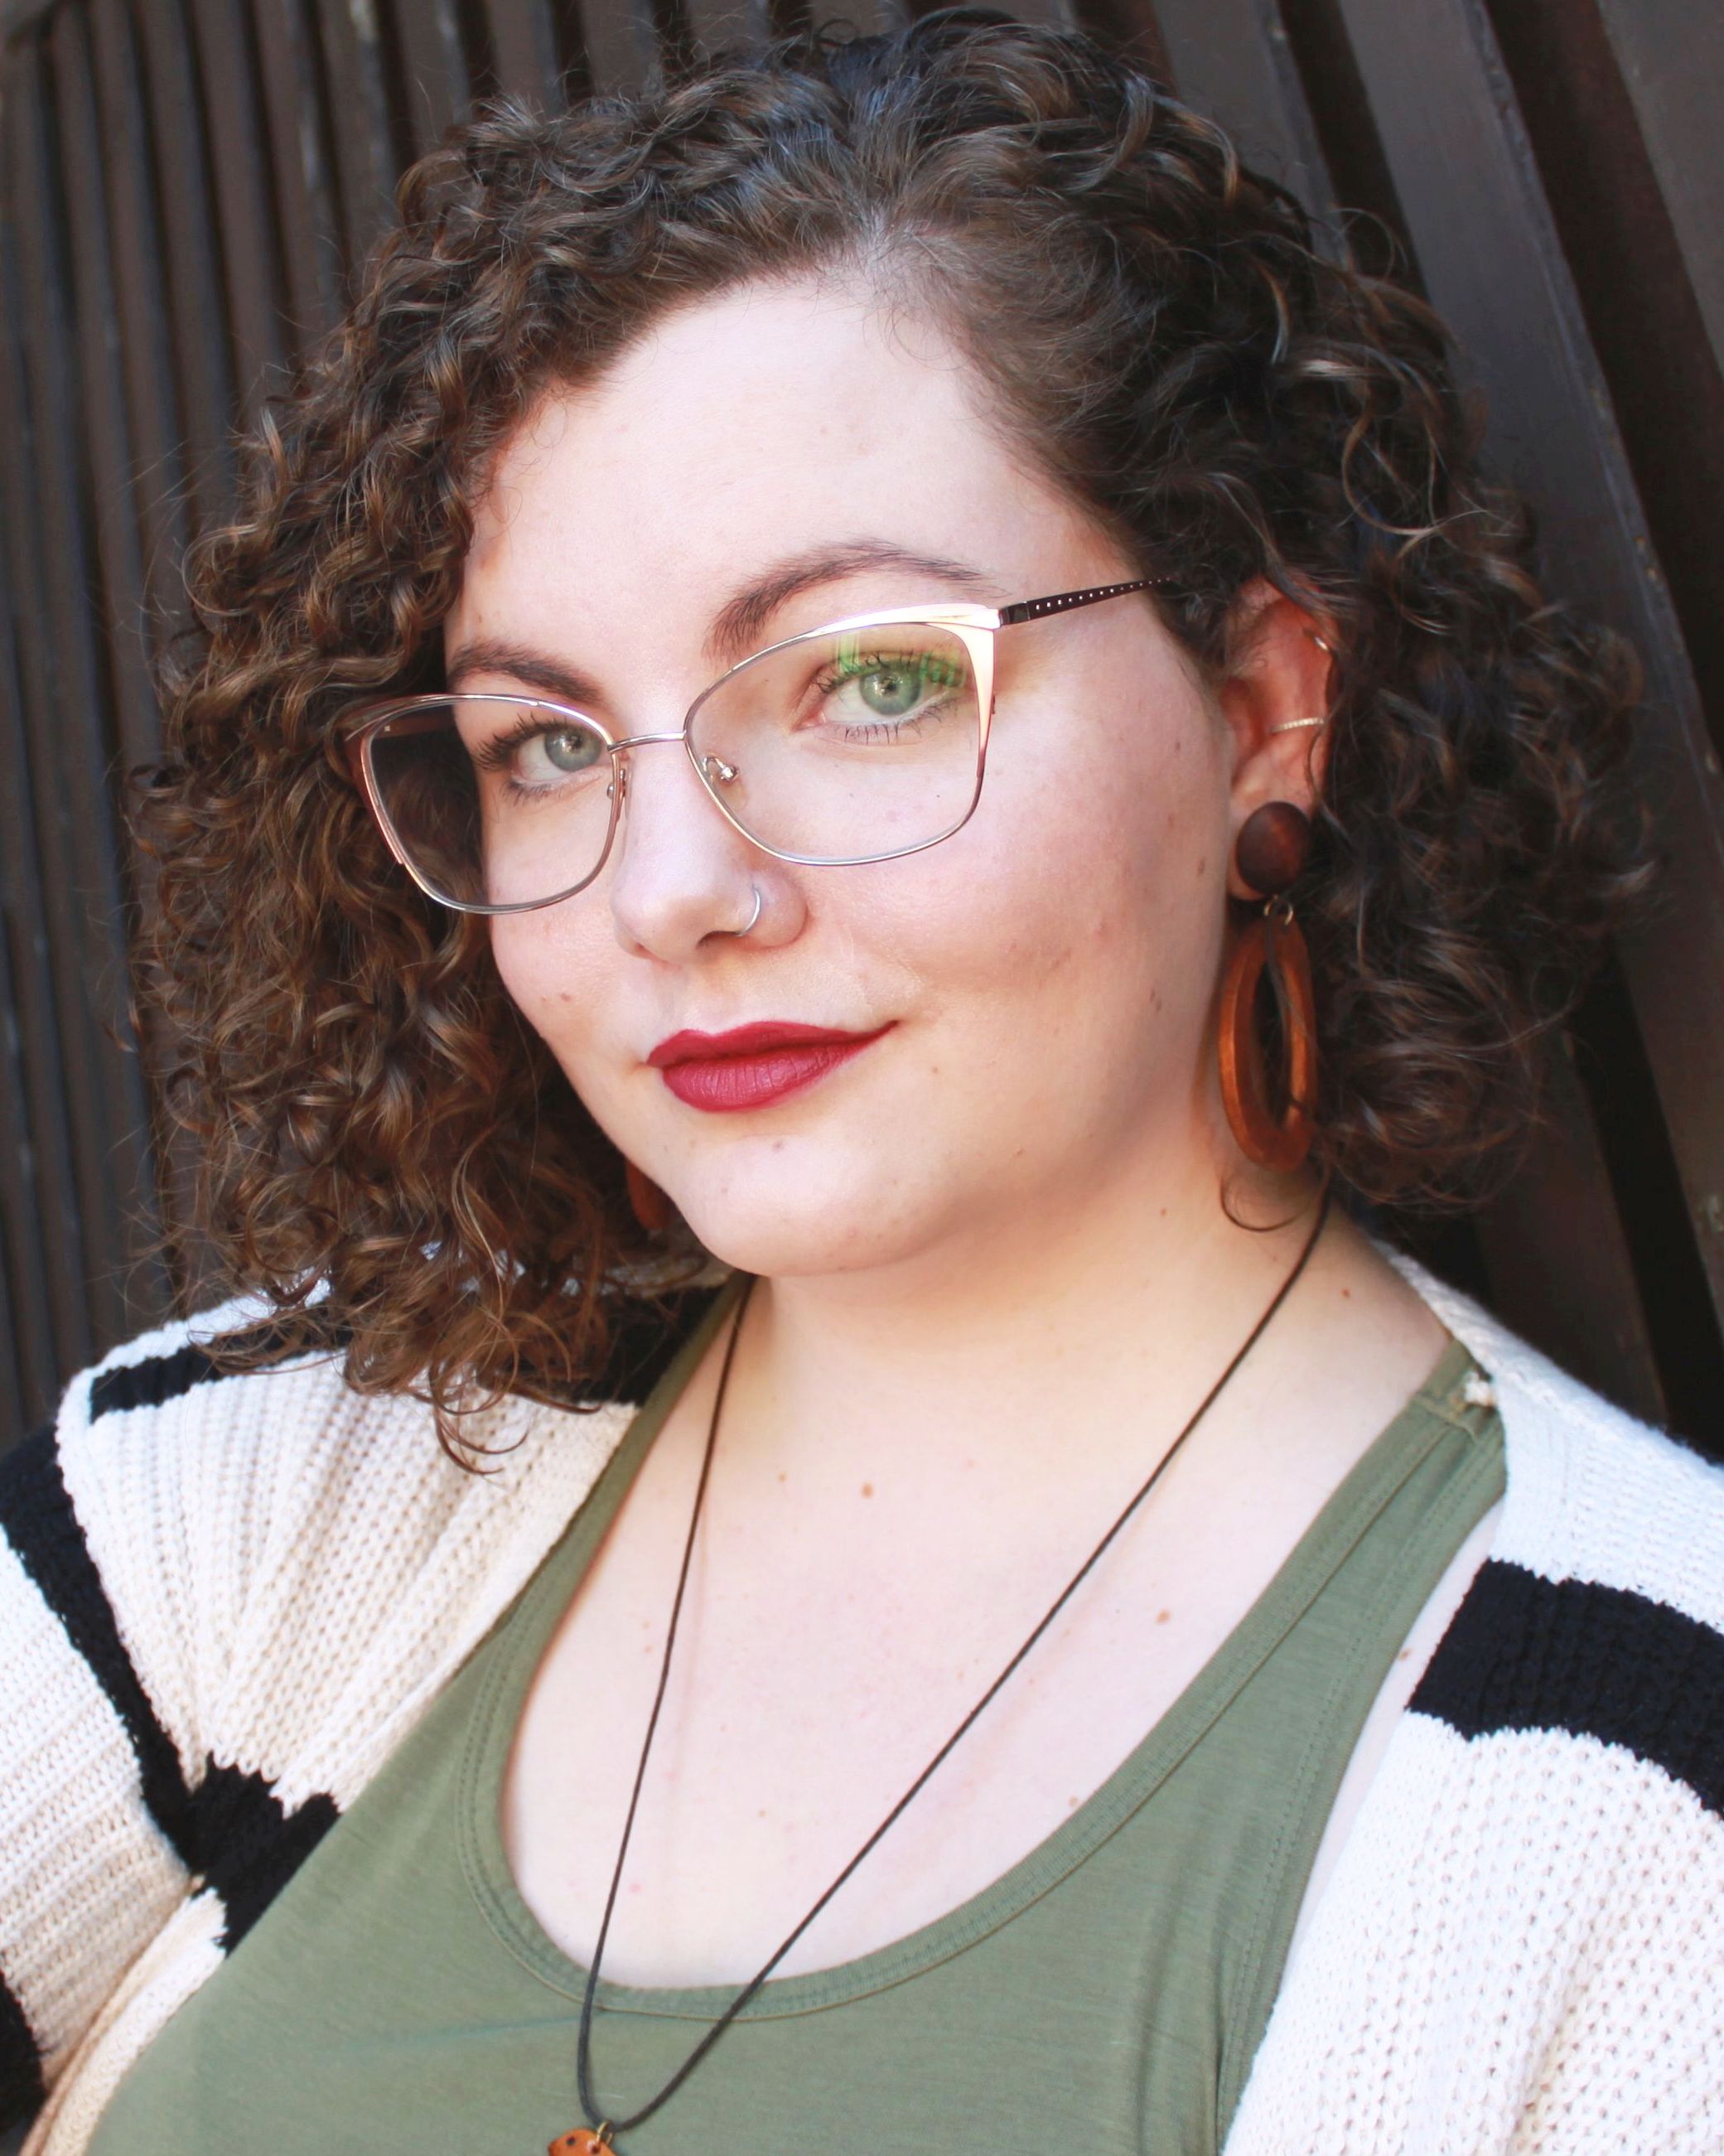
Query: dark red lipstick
(752, 1065)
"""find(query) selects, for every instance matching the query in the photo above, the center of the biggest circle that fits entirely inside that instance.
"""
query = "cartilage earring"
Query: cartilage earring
(1273, 847)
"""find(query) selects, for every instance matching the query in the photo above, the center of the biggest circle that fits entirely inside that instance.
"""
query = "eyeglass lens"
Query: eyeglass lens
(834, 747)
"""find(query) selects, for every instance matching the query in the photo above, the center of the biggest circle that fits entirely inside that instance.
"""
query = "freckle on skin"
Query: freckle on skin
(1162, 1615)
(867, 1489)
(1071, 1803)
(1203, 864)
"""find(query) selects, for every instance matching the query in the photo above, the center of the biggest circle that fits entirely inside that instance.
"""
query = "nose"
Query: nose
(682, 872)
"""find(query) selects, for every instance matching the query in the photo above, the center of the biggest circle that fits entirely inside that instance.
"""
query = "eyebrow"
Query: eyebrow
(533, 669)
(738, 625)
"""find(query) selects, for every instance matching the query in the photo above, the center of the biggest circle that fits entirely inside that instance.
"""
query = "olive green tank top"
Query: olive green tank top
(1105, 1994)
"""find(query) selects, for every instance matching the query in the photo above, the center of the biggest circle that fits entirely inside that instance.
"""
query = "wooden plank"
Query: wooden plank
(435, 67)
(102, 391)
(870, 16)
(618, 43)
(302, 166)
(41, 1244)
(119, 609)
(68, 751)
(525, 57)
(1543, 1234)
(359, 126)
(1645, 321)
(1671, 52)
(140, 327)
(1488, 251)
(15, 1419)
(59, 1096)
(721, 25)
(195, 310)
(1231, 60)
(244, 213)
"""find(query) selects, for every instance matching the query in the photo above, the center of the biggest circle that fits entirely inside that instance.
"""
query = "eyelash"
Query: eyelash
(493, 755)
(831, 678)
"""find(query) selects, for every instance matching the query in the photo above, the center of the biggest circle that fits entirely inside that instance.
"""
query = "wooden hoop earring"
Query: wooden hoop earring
(650, 1206)
(1273, 847)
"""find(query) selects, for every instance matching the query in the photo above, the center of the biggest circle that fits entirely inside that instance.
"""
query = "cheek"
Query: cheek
(1094, 881)
(553, 966)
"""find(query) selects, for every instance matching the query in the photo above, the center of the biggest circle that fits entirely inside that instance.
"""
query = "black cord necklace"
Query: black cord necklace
(595, 2140)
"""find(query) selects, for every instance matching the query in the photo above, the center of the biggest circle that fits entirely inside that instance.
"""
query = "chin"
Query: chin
(785, 1225)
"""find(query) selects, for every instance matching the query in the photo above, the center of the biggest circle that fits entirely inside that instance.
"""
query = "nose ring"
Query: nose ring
(752, 918)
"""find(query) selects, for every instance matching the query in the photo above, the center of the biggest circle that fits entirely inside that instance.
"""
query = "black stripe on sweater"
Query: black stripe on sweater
(644, 1337)
(155, 1379)
(149, 1382)
(255, 1847)
(21, 2090)
(39, 1519)
(1524, 1652)
(231, 1829)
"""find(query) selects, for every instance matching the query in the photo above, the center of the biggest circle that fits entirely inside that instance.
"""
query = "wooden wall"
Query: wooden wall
(185, 184)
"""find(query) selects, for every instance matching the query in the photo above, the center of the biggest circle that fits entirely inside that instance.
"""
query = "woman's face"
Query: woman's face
(1039, 982)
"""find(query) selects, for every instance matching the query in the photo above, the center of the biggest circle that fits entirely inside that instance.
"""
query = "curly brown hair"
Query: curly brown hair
(376, 1126)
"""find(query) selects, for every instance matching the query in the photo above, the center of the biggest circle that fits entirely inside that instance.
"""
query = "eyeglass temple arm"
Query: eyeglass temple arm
(1064, 602)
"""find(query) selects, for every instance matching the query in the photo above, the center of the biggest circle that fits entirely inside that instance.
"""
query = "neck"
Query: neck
(1097, 1324)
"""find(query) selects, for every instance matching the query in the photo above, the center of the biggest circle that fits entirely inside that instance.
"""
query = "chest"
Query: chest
(821, 1663)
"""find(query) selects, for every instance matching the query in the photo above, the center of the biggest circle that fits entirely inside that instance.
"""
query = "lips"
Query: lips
(752, 1065)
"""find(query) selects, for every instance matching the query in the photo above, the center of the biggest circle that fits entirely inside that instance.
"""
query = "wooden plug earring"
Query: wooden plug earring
(1272, 849)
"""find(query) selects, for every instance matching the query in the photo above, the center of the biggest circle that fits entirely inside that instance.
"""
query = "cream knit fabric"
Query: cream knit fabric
(223, 1600)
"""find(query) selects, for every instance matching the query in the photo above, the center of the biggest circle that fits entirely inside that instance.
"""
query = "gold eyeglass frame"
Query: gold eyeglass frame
(975, 626)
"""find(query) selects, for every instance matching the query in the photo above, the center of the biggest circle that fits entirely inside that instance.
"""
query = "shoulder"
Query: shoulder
(277, 1561)
(1519, 1943)
(1593, 1495)
(1593, 1638)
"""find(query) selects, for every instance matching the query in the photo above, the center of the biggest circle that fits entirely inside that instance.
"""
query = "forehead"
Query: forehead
(772, 419)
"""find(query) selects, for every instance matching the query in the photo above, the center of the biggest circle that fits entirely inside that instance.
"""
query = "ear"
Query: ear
(1281, 671)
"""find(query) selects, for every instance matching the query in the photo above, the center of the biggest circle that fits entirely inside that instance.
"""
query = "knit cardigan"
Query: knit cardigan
(225, 1599)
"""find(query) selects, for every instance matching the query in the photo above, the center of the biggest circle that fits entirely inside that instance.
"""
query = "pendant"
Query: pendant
(584, 2141)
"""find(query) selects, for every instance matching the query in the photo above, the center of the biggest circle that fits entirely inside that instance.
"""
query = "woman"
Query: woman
(579, 889)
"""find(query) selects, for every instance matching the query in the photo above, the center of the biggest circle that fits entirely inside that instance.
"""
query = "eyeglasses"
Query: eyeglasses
(856, 742)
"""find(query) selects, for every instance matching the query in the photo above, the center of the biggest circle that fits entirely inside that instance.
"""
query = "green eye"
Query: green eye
(890, 691)
(570, 751)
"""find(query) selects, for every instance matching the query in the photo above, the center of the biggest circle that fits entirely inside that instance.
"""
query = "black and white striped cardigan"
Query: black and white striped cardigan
(224, 1599)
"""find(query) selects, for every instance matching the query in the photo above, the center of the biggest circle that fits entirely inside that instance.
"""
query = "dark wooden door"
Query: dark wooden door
(186, 183)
